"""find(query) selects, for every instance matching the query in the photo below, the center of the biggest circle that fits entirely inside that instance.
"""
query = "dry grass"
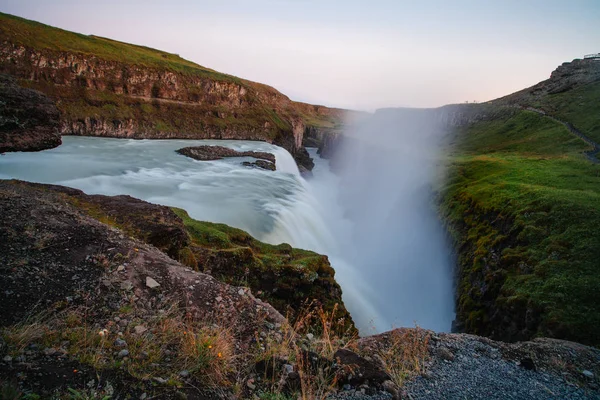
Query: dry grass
(173, 343)
(405, 354)
(21, 335)
(205, 350)
(310, 353)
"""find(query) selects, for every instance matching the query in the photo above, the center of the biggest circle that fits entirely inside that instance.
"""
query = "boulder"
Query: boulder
(29, 120)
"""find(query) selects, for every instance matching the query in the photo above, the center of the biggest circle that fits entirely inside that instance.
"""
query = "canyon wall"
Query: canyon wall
(107, 88)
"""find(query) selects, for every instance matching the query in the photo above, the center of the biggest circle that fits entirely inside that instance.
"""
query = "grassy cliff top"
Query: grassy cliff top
(525, 201)
(39, 36)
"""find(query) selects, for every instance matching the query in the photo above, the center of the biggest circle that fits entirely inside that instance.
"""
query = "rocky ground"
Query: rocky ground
(78, 296)
(89, 308)
(464, 366)
(28, 119)
(207, 153)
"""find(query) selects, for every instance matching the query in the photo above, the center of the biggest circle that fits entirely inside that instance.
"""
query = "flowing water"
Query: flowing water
(274, 207)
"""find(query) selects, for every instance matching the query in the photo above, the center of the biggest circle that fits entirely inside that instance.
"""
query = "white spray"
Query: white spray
(397, 269)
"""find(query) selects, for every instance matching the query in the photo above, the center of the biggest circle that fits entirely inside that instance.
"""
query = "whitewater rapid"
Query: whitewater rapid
(273, 206)
(219, 191)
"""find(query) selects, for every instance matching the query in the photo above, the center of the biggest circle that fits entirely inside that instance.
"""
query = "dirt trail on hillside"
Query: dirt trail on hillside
(592, 155)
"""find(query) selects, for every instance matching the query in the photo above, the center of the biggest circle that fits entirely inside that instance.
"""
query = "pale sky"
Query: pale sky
(352, 54)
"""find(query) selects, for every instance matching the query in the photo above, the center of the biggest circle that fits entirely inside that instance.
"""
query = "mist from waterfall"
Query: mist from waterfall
(397, 257)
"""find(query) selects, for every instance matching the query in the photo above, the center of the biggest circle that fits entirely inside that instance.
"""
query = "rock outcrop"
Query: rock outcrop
(90, 288)
(28, 119)
(568, 76)
(207, 153)
(287, 278)
(454, 366)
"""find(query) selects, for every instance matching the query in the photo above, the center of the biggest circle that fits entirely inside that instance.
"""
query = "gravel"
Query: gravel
(479, 372)
(358, 395)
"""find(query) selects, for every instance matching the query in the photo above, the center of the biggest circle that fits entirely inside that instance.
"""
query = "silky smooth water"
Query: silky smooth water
(220, 191)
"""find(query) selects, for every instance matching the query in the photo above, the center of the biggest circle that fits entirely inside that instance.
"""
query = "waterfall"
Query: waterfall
(273, 206)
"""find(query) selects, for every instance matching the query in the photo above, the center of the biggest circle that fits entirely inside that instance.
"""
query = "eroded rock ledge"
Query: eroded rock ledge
(208, 153)
(28, 119)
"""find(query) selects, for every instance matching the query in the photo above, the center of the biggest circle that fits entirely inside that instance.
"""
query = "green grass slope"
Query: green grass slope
(523, 205)
(579, 106)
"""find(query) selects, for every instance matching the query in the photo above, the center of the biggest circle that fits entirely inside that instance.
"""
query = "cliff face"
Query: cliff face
(521, 205)
(28, 119)
(88, 90)
(107, 88)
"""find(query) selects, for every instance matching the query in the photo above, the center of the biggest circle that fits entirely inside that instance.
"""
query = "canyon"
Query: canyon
(482, 213)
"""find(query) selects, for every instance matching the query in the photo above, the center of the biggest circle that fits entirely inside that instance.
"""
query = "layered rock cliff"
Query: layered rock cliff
(108, 88)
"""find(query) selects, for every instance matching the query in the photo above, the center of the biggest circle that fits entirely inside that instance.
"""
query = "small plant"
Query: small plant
(208, 353)
(405, 354)
(316, 332)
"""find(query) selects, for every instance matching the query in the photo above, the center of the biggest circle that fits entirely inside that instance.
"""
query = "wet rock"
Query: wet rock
(208, 153)
(260, 164)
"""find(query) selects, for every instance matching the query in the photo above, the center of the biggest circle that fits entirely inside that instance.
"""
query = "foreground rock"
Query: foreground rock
(459, 366)
(83, 302)
(208, 153)
(28, 119)
(287, 278)
(75, 288)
